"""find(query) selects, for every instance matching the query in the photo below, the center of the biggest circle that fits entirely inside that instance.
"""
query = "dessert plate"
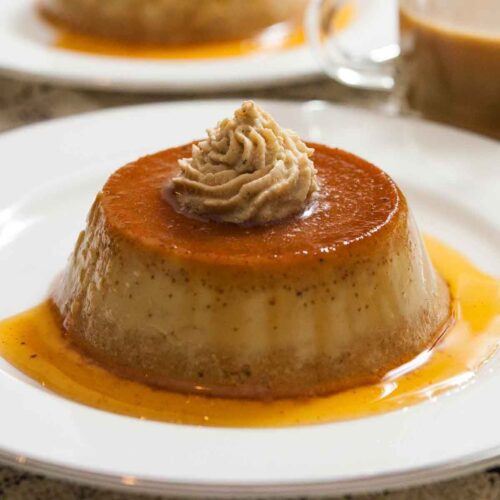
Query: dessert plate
(27, 50)
(51, 173)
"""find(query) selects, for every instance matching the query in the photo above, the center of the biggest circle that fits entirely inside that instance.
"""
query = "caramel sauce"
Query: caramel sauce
(33, 342)
(271, 40)
(357, 200)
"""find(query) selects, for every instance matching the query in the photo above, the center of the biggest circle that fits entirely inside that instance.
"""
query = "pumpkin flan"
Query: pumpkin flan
(172, 21)
(173, 283)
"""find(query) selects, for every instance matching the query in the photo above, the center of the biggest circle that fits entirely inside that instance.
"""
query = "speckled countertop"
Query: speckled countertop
(23, 103)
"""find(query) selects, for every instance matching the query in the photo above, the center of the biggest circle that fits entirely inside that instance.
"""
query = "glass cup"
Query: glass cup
(440, 58)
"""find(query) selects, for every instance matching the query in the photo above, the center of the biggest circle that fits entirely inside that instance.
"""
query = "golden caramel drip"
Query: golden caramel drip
(265, 43)
(33, 342)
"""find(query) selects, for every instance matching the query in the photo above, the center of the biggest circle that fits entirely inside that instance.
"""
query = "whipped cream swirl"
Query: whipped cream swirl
(248, 171)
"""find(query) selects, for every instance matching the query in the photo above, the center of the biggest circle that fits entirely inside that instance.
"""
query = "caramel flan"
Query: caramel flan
(172, 21)
(199, 271)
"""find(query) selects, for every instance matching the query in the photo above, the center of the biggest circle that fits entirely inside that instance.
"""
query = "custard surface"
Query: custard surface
(356, 202)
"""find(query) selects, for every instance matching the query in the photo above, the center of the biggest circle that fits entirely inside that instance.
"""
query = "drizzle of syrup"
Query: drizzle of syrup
(34, 343)
(276, 38)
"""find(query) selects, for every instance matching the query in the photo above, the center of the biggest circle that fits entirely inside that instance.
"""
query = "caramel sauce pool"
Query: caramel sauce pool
(271, 40)
(34, 343)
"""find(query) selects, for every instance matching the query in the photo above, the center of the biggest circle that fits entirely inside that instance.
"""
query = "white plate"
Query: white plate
(50, 174)
(26, 49)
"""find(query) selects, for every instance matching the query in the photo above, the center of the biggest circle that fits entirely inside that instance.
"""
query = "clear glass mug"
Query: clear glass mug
(440, 58)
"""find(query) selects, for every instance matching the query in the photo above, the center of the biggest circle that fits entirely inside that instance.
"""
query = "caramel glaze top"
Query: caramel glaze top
(356, 202)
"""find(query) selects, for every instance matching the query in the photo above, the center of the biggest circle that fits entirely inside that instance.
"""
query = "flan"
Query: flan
(327, 298)
(172, 21)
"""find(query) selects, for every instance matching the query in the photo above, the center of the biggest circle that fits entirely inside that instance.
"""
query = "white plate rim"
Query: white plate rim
(468, 463)
(362, 485)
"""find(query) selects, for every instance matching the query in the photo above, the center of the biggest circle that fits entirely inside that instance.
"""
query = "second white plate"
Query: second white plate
(27, 49)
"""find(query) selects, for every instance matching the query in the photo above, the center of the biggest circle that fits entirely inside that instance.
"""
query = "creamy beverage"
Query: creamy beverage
(450, 64)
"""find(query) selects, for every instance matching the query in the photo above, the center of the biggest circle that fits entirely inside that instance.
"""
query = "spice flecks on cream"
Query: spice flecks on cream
(248, 170)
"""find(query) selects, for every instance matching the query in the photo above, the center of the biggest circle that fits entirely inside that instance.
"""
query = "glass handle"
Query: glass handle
(356, 41)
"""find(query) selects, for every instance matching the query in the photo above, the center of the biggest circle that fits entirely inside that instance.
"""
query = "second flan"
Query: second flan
(172, 21)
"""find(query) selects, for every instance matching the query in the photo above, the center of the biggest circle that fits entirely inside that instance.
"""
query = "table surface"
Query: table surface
(22, 103)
